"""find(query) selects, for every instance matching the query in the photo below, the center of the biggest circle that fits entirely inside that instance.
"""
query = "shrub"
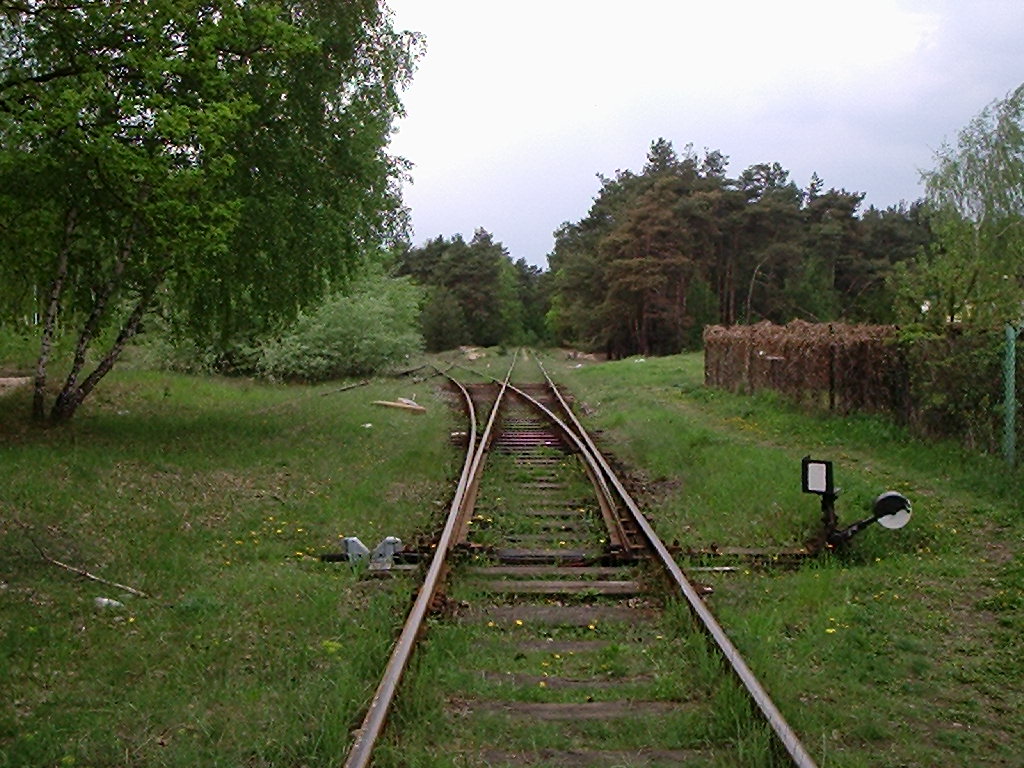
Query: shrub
(358, 332)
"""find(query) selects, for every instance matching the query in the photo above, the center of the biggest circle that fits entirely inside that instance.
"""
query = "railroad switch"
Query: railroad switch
(891, 510)
(382, 559)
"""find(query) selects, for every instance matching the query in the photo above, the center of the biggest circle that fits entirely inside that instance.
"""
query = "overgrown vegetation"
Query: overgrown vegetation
(210, 495)
(363, 331)
(214, 496)
(902, 651)
(945, 382)
(222, 163)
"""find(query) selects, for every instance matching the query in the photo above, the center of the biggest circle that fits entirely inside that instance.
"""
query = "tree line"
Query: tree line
(215, 176)
(681, 244)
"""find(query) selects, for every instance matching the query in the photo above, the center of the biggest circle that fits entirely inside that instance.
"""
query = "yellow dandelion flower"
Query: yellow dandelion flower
(830, 631)
(519, 622)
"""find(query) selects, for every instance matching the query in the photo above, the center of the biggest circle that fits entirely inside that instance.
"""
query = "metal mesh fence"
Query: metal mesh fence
(936, 384)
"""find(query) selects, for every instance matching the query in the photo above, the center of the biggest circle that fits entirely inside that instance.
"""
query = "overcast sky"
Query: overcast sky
(517, 106)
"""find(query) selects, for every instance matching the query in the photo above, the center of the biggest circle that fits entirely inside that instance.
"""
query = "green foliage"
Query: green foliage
(975, 270)
(663, 252)
(224, 162)
(954, 384)
(476, 294)
(362, 331)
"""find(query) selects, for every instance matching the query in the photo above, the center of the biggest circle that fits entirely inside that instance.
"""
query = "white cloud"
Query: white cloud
(517, 106)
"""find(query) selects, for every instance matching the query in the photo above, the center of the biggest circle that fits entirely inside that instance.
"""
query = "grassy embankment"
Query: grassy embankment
(904, 651)
(210, 495)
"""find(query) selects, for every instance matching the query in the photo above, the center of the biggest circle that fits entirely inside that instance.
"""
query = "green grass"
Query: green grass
(903, 650)
(213, 496)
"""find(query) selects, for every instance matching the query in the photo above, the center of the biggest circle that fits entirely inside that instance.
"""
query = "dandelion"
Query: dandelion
(830, 631)
(490, 623)
(519, 622)
(591, 626)
(542, 684)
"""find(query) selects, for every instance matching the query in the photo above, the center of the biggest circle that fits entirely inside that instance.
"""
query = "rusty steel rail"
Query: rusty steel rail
(373, 723)
(609, 487)
(785, 734)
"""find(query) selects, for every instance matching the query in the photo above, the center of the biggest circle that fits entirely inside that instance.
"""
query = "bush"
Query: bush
(359, 332)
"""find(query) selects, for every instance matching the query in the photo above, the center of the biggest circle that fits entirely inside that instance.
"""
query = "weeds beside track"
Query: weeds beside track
(555, 642)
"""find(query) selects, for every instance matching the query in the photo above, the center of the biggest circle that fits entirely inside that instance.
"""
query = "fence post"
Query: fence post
(1010, 395)
(831, 368)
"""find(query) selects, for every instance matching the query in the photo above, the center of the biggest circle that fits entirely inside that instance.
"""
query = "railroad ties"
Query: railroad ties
(553, 628)
(557, 653)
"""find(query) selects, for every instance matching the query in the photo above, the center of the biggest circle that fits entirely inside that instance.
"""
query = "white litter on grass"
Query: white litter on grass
(106, 602)
(367, 425)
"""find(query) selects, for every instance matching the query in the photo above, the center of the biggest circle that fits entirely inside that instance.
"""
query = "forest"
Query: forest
(211, 186)
(680, 244)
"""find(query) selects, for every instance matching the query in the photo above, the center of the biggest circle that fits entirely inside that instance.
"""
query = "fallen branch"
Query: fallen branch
(94, 577)
(346, 388)
(80, 572)
(403, 403)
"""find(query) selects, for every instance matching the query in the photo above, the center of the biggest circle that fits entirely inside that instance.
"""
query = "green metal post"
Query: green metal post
(1010, 395)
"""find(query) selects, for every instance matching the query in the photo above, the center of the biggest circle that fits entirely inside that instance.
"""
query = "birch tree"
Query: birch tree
(220, 161)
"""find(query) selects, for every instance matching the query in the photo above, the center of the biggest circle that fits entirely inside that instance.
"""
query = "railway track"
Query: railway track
(554, 628)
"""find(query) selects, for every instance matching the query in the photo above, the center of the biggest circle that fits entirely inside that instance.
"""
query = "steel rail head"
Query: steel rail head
(785, 734)
(373, 722)
(360, 754)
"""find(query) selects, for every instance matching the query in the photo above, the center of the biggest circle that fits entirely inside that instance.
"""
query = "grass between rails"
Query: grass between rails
(212, 496)
(903, 651)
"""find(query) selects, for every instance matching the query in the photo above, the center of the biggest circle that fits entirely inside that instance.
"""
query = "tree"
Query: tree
(221, 162)
(975, 194)
(477, 294)
(368, 327)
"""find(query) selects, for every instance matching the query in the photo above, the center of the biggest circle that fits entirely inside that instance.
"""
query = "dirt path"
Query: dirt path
(11, 383)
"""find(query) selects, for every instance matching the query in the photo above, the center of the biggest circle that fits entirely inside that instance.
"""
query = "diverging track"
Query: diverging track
(556, 629)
